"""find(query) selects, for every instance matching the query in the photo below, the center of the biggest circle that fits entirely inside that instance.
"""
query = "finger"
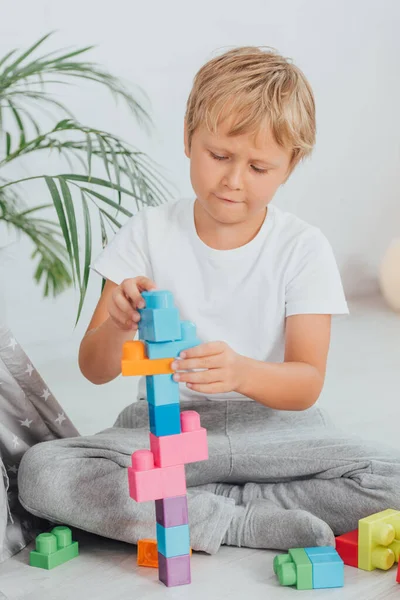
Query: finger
(121, 320)
(207, 349)
(207, 388)
(131, 292)
(209, 376)
(208, 362)
(145, 284)
(123, 304)
(132, 289)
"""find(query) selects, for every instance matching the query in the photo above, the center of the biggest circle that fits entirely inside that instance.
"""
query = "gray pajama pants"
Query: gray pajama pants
(278, 463)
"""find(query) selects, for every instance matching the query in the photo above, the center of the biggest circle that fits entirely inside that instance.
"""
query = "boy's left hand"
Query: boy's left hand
(223, 368)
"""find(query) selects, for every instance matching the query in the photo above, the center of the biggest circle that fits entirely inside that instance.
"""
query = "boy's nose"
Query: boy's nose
(233, 179)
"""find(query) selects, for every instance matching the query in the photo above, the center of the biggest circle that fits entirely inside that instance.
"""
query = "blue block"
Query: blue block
(173, 541)
(328, 567)
(172, 349)
(320, 550)
(159, 320)
(158, 299)
(160, 325)
(162, 389)
(165, 420)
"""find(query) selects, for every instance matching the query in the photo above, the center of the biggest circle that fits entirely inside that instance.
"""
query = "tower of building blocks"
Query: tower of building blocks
(310, 568)
(176, 437)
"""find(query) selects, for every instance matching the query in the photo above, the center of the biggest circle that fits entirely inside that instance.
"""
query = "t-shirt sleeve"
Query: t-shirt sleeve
(126, 255)
(314, 284)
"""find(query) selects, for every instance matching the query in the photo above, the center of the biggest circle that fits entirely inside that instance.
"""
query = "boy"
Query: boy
(261, 286)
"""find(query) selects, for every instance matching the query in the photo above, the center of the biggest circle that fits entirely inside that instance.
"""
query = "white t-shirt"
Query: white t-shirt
(239, 296)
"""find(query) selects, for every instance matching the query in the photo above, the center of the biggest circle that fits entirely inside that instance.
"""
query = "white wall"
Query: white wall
(349, 50)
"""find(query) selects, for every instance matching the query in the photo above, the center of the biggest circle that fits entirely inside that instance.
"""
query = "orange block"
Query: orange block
(135, 362)
(147, 554)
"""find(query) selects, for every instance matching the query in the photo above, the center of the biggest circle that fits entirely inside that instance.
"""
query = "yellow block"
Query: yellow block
(378, 540)
(135, 362)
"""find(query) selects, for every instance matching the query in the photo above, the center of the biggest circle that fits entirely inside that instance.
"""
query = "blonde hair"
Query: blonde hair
(259, 88)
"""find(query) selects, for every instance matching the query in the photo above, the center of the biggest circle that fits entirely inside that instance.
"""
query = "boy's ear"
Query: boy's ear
(185, 139)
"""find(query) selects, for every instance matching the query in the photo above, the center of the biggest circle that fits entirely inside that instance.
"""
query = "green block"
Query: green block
(294, 568)
(304, 568)
(54, 548)
(279, 560)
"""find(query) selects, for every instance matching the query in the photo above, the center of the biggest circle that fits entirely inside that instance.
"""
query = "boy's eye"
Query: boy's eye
(255, 169)
(260, 171)
(217, 157)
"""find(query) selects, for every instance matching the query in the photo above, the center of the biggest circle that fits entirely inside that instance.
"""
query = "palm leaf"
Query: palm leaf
(51, 268)
(131, 180)
(58, 205)
(22, 56)
(69, 207)
(38, 70)
(88, 254)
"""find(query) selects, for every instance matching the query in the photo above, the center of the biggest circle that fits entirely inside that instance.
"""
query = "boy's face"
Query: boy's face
(234, 179)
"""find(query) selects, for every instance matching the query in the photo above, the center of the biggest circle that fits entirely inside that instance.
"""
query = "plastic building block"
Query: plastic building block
(327, 567)
(173, 541)
(54, 548)
(188, 446)
(310, 568)
(175, 570)
(166, 349)
(347, 548)
(161, 325)
(159, 321)
(378, 540)
(294, 568)
(171, 512)
(158, 300)
(164, 420)
(147, 553)
(147, 482)
(135, 362)
(162, 389)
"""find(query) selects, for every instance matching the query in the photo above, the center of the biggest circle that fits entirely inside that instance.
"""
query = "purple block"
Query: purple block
(171, 512)
(175, 570)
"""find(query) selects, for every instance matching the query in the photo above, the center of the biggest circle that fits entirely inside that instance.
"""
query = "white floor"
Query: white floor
(361, 393)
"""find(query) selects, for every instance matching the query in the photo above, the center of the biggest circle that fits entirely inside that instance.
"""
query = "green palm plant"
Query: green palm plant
(131, 180)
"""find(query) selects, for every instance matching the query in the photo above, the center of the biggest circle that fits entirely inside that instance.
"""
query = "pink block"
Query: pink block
(190, 420)
(181, 448)
(148, 482)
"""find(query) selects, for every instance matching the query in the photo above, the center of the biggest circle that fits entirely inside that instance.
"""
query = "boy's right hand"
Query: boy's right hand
(126, 299)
